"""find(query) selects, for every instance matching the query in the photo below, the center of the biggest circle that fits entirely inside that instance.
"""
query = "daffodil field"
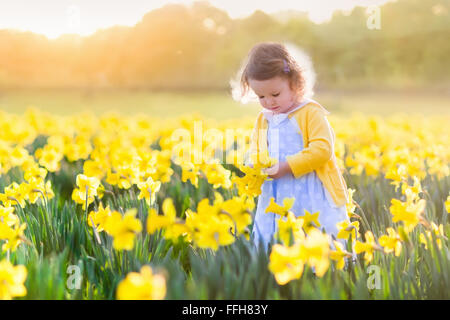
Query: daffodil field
(136, 207)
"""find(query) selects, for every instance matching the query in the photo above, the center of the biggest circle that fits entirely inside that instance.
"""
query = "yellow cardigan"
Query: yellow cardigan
(318, 153)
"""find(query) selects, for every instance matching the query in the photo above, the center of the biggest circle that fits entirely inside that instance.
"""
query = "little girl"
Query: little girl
(295, 131)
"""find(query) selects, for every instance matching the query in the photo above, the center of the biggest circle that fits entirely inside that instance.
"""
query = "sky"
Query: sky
(53, 18)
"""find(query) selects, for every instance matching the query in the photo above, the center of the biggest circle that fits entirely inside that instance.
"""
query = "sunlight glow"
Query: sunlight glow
(53, 18)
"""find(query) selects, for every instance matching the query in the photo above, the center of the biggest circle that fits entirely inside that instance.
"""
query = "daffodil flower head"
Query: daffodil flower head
(311, 220)
(7, 216)
(412, 192)
(345, 228)
(87, 184)
(408, 212)
(145, 285)
(315, 250)
(439, 233)
(280, 210)
(262, 160)
(13, 234)
(350, 205)
(250, 184)
(12, 280)
(123, 229)
(99, 217)
(397, 174)
(286, 263)
(290, 225)
(339, 255)
(391, 242)
(148, 190)
(368, 246)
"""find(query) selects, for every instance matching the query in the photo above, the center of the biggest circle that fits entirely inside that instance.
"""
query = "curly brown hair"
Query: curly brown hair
(267, 60)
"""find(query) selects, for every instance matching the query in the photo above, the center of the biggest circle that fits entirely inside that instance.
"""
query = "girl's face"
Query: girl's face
(274, 94)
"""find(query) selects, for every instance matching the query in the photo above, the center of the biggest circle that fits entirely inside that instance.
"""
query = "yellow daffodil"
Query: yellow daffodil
(95, 168)
(412, 191)
(156, 222)
(87, 184)
(209, 228)
(80, 197)
(18, 156)
(262, 160)
(124, 177)
(250, 184)
(407, 212)
(368, 246)
(49, 157)
(39, 189)
(315, 251)
(339, 255)
(148, 190)
(286, 263)
(190, 172)
(99, 217)
(438, 231)
(12, 234)
(163, 163)
(123, 229)
(216, 232)
(217, 175)
(239, 209)
(34, 171)
(144, 285)
(346, 228)
(398, 174)
(280, 210)
(15, 194)
(78, 148)
(176, 230)
(391, 242)
(290, 224)
(146, 163)
(350, 205)
(311, 220)
(7, 216)
(12, 279)
(87, 190)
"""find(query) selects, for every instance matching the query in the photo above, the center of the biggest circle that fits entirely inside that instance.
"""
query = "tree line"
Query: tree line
(201, 47)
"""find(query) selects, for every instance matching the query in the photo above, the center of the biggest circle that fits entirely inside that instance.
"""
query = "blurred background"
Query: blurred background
(168, 58)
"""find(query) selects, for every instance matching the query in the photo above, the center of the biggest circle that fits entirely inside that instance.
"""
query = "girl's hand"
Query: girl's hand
(278, 170)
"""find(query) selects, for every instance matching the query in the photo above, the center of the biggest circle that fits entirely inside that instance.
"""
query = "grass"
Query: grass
(216, 104)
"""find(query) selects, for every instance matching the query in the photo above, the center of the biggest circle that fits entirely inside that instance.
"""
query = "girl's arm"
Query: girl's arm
(320, 145)
(278, 170)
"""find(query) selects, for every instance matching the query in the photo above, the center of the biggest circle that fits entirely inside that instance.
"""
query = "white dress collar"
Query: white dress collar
(278, 118)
